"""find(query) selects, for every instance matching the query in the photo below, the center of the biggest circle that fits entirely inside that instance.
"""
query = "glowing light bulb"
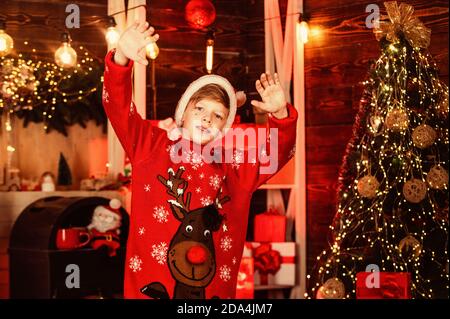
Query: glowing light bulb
(152, 50)
(6, 42)
(65, 56)
(112, 36)
(209, 52)
(303, 31)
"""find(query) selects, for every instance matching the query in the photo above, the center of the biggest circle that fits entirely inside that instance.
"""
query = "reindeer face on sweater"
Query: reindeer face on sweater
(191, 256)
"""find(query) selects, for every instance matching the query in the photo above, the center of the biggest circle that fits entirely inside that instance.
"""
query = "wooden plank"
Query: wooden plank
(322, 185)
(331, 105)
(326, 144)
(321, 215)
(4, 244)
(4, 262)
(322, 5)
(4, 291)
(5, 229)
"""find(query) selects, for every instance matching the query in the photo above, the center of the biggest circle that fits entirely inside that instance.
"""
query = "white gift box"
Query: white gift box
(269, 256)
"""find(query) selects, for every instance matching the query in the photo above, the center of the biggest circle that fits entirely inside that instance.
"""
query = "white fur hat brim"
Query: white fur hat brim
(198, 84)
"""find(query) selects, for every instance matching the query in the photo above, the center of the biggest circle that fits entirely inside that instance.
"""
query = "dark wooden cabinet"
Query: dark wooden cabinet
(39, 270)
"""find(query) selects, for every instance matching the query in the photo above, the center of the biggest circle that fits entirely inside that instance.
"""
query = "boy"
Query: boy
(189, 217)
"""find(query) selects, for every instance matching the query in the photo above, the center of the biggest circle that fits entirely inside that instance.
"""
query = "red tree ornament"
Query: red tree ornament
(200, 13)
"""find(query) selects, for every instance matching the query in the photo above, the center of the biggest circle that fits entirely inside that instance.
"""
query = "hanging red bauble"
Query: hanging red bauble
(200, 13)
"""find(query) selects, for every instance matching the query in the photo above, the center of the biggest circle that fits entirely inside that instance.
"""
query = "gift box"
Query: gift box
(245, 280)
(383, 285)
(274, 263)
(270, 227)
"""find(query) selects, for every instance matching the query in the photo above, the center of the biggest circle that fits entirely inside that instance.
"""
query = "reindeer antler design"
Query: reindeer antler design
(220, 199)
(176, 187)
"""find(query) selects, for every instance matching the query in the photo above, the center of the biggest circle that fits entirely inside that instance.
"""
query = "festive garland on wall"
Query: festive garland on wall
(41, 92)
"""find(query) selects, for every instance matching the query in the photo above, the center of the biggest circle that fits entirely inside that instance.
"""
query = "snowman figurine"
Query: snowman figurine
(104, 227)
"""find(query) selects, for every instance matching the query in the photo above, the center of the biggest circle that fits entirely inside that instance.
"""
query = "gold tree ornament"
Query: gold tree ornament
(414, 190)
(397, 120)
(437, 177)
(410, 247)
(400, 20)
(368, 186)
(333, 288)
(424, 136)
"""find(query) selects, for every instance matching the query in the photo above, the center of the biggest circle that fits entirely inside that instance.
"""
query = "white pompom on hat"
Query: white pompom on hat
(113, 207)
(201, 82)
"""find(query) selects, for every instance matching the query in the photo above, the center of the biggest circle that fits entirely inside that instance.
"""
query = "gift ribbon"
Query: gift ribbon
(392, 287)
(268, 261)
(401, 20)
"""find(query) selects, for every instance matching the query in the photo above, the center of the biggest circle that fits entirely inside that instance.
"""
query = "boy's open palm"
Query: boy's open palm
(133, 41)
(271, 92)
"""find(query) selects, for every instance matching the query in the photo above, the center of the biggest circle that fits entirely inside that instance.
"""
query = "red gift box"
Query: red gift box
(245, 281)
(383, 285)
(270, 227)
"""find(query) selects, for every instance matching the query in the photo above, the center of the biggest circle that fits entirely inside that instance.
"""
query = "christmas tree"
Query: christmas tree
(64, 175)
(392, 210)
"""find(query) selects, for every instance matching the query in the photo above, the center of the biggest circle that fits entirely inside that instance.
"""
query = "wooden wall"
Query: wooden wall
(336, 61)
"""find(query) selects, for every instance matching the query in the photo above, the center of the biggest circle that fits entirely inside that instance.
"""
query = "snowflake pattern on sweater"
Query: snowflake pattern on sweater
(185, 239)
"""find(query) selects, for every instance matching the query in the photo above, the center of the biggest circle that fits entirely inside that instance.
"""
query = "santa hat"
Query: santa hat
(113, 207)
(236, 99)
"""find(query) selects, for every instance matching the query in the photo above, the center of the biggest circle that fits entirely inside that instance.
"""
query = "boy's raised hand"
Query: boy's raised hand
(272, 95)
(132, 43)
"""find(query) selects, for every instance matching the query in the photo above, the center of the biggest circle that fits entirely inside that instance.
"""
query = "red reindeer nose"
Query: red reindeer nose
(196, 255)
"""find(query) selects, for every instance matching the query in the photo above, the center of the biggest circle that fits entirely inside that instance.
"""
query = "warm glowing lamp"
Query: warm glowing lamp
(302, 29)
(65, 56)
(209, 51)
(112, 34)
(152, 50)
(6, 42)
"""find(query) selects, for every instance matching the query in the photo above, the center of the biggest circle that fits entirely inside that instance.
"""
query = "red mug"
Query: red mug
(71, 238)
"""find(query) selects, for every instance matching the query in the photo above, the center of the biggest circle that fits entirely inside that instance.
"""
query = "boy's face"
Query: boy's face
(202, 121)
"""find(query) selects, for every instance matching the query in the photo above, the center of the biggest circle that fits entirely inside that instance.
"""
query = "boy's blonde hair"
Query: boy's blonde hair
(212, 92)
(198, 84)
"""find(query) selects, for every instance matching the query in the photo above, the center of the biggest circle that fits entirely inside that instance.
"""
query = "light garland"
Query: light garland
(28, 84)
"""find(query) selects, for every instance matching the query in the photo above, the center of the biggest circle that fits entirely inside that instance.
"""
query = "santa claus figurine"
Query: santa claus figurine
(105, 225)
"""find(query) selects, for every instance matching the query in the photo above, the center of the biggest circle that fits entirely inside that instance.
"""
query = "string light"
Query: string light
(112, 34)
(152, 50)
(209, 51)
(65, 56)
(6, 42)
(302, 28)
(21, 90)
